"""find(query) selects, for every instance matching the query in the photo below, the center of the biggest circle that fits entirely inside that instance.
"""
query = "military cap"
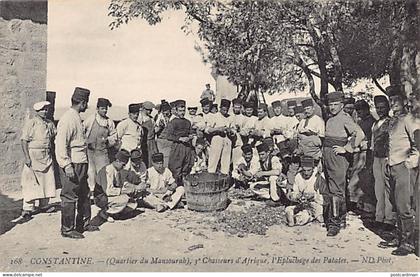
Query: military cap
(361, 105)
(262, 106)
(157, 157)
(225, 103)
(335, 96)
(180, 103)
(214, 106)
(134, 108)
(165, 107)
(205, 102)
(192, 108)
(349, 101)
(298, 109)
(291, 103)
(122, 156)
(148, 105)
(40, 105)
(248, 105)
(395, 90)
(307, 103)
(380, 99)
(262, 147)
(103, 102)
(307, 161)
(276, 103)
(237, 101)
(246, 148)
(269, 141)
(135, 154)
(81, 94)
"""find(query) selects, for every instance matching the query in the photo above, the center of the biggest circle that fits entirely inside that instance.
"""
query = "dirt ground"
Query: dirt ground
(183, 240)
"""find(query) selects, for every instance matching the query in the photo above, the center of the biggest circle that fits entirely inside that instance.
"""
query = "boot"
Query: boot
(335, 221)
(407, 238)
(342, 213)
(84, 215)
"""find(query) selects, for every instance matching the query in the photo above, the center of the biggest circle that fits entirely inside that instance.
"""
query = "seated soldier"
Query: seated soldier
(307, 193)
(265, 179)
(137, 166)
(245, 167)
(113, 195)
(163, 193)
(200, 156)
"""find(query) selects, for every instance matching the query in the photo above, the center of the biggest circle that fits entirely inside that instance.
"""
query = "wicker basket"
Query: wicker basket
(206, 192)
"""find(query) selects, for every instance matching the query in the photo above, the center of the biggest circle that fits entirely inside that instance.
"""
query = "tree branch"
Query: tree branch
(378, 85)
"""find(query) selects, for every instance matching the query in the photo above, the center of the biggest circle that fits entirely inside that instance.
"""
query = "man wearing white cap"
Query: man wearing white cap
(38, 182)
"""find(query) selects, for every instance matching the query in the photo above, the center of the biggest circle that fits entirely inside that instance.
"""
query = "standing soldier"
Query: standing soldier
(208, 94)
(262, 125)
(339, 128)
(101, 135)
(403, 163)
(361, 190)
(280, 124)
(38, 182)
(149, 127)
(384, 216)
(220, 127)
(181, 157)
(237, 123)
(71, 152)
(129, 130)
(311, 132)
(163, 144)
(249, 123)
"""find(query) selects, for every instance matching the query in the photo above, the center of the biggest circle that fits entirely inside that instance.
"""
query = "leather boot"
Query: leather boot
(407, 238)
(342, 213)
(67, 221)
(335, 220)
(327, 210)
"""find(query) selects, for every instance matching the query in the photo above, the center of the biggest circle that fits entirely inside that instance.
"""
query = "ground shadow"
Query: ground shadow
(10, 211)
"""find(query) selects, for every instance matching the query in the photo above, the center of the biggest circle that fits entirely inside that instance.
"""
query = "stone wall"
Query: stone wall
(23, 71)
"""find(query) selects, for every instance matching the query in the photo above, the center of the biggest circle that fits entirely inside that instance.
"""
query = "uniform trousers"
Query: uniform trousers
(74, 195)
(97, 160)
(181, 161)
(220, 151)
(381, 173)
(164, 146)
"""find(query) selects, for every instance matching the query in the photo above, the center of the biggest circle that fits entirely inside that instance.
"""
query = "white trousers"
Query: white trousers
(266, 189)
(154, 201)
(220, 150)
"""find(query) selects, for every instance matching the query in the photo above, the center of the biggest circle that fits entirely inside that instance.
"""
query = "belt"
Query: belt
(335, 141)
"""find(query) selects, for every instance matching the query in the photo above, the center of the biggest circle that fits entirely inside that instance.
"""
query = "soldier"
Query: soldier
(208, 94)
(403, 163)
(200, 157)
(101, 136)
(249, 123)
(38, 182)
(193, 117)
(238, 120)
(262, 125)
(361, 191)
(280, 124)
(349, 107)
(245, 168)
(181, 157)
(339, 127)
(149, 129)
(311, 132)
(129, 130)
(291, 104)
(306, 192)
(384, 216)
(220, 128)
(214, 109)
(204, 119)
(164, 145)
(265, 179)
(115, 195)
(71, 153)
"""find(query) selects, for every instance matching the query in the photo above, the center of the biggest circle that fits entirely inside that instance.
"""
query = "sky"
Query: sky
(133, 63)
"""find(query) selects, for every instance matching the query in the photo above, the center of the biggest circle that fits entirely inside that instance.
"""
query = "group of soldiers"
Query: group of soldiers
(318, 169)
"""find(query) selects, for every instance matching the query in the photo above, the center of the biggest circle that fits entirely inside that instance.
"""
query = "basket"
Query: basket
(206, 192)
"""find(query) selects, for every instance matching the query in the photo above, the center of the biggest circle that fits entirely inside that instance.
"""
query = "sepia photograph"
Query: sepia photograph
(209, 136)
